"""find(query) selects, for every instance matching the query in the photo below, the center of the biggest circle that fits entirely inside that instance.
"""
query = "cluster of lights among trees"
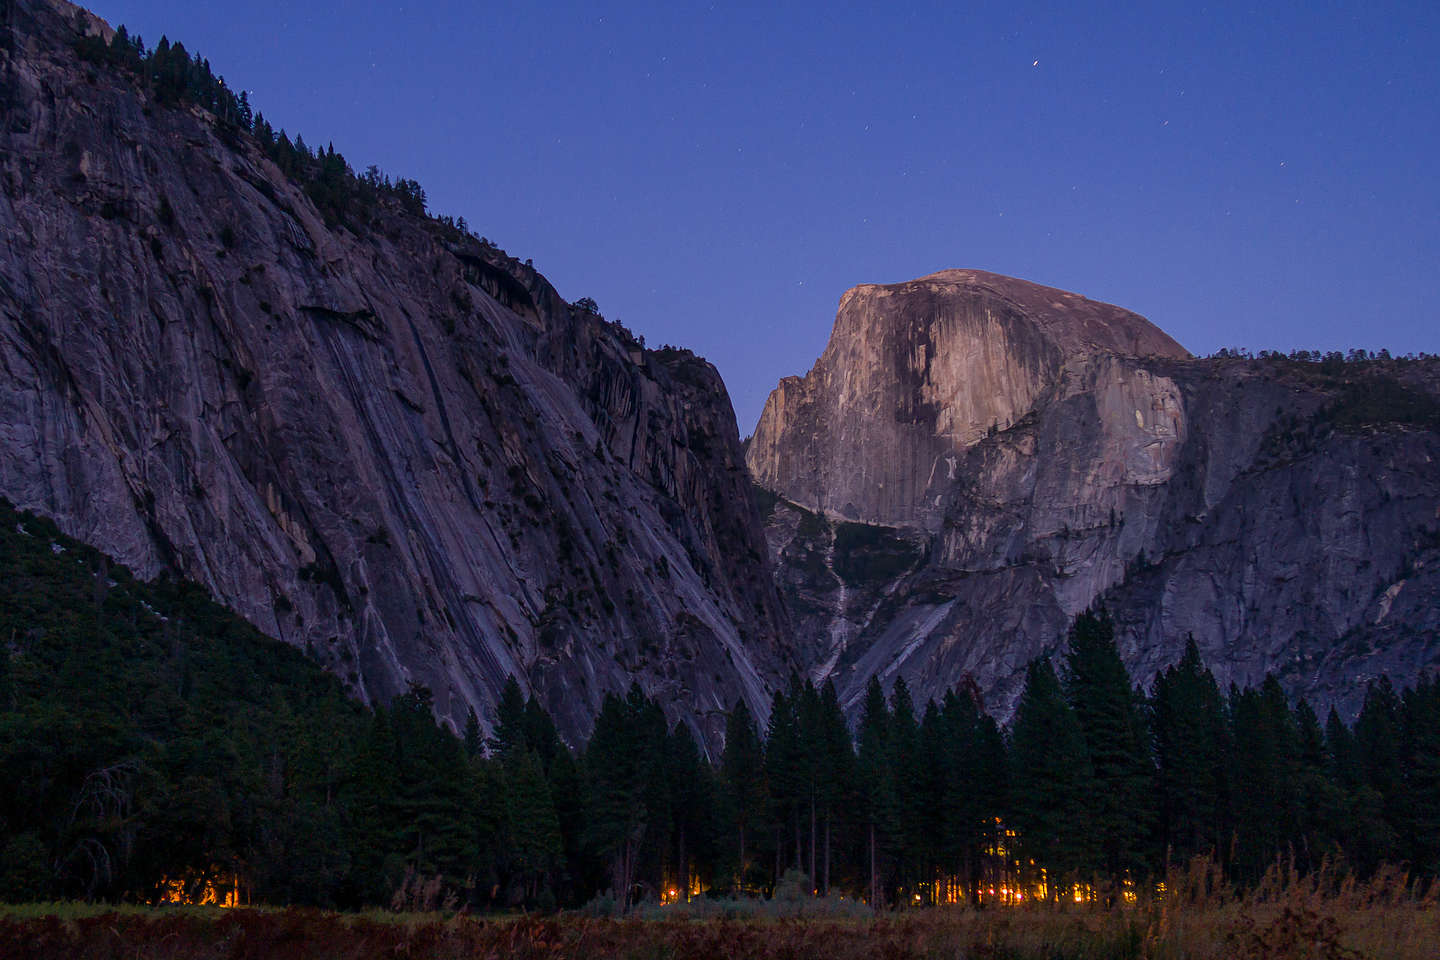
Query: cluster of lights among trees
(159, 749)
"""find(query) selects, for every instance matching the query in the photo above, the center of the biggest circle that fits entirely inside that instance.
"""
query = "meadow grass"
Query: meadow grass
(1286, 917)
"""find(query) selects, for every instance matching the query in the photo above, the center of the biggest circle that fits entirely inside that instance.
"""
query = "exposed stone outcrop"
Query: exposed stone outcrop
(915, 373)
(1284, 513)
(382, 441)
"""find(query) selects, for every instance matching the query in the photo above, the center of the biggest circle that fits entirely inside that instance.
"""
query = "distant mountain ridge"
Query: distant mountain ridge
(1027, 453)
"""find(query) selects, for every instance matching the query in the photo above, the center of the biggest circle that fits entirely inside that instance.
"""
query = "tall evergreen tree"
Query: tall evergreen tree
(692, 803)
(474, 742)
(876, 783)
(973, 764)
(784, 777)
(908, 772)
(531, 834)
(622, 761)
(1322, 822)
(1122, 812)
(1340, 753)
(1378, 744)
(742, 783)
(812, 768)
(1188, 723)
(835, 763)
(1420, 738)
(1051, 781)
(1266, 761)
(540, 733)
(509, 734)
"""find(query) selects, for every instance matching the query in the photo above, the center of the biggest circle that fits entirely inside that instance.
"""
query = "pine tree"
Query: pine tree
(931, 778)
(1377, 740)
(1344, 766)
(532, 829)
(1265, 768)
(907, 772)
(973, 763)
(1420, 738)
(474, 742)
(742, 782)
(876, 782)
(1188, 723)
(1379, 800)
(540, 733)
(811, 736)
(567, 791)
(431, 803)
(835, 764)
(784, 775)
(1051, 781)
(1121, 811)
(509, 736)
(1368, 837)
(1322, 823)
(626, 795)
(692, 802)
(615, 812)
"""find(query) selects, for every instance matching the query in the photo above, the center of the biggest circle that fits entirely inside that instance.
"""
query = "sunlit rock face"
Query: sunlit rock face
(1044, 453)
(386, 443)
(917, 372)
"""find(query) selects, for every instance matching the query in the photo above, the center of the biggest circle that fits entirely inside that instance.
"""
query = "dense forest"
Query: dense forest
(157, 747)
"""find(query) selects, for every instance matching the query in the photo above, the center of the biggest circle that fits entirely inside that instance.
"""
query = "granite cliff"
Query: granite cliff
(389, 443)
(1026, 453)
(380, 439)
(915, 372)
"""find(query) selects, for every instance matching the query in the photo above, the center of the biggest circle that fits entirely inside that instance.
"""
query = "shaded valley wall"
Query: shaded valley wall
(380, 440)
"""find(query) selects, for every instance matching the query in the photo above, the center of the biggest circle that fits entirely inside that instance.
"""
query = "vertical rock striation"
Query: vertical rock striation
(915, 373)
(381, 440)
(1059, 453)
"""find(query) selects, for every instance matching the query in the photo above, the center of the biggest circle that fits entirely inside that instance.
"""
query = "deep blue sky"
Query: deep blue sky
(716, 175)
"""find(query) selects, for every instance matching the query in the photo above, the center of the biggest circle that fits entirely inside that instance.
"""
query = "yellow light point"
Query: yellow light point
(227, 895)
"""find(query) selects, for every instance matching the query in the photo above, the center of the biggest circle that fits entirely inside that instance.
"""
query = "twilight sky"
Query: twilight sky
(715, 175)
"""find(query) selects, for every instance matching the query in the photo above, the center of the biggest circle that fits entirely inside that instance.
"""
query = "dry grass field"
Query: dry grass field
(1387, 918)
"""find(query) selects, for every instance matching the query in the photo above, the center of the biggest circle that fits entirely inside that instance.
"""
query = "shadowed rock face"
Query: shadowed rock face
(917, 372)
(1284, 513)
(384, 442)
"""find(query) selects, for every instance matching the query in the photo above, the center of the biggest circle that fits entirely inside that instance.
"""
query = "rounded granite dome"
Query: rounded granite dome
(915, 372)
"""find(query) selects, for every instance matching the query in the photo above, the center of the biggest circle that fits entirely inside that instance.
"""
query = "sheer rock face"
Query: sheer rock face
(917, 372)
(1285, 515)
(384, 442)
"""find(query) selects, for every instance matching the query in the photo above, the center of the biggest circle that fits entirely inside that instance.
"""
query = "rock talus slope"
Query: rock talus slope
(1048, 452)
(381, 440)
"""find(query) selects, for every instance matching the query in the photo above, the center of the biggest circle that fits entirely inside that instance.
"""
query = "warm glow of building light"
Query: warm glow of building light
(181, 891)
